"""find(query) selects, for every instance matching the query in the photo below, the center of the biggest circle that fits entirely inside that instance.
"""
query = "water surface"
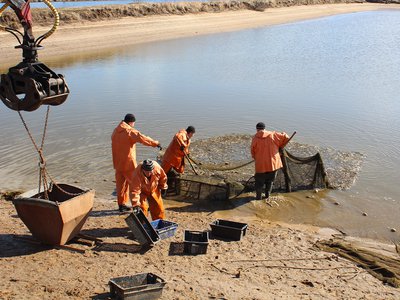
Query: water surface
(334, 80)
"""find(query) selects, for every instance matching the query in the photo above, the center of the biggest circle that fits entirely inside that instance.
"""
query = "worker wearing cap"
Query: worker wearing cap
(123, 144)
(265, 147)
(173, 157)
(148, 183)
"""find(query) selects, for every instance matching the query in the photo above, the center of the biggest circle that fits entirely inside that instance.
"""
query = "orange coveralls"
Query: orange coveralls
(265, 150)
(149, 188)
(123, 146)
(174, 156)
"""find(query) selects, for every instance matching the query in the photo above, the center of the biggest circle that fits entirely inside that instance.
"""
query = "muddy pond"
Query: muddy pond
(334, 80)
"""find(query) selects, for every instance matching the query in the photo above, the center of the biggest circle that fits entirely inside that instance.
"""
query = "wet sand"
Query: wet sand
(82, 39)
(272, 261)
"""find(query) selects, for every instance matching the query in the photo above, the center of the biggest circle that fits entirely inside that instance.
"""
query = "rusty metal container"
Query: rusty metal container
(59, 219)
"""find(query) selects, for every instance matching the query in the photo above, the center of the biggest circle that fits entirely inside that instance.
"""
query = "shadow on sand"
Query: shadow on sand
(19, 245)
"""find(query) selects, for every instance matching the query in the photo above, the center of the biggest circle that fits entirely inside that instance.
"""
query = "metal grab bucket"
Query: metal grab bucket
(27, 86)
(59, 219)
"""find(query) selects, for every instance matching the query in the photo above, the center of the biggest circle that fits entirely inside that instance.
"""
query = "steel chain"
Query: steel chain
(42, 164)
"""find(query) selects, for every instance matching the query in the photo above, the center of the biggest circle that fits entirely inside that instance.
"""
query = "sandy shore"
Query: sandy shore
(104, 36)
(271, 261)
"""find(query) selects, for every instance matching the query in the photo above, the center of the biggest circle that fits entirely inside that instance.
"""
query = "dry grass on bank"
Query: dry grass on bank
(73, 15)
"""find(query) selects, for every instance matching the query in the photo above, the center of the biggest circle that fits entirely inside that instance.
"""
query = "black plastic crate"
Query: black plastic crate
(144, 286)
(165, 229)
(195, 242)
(228, 229)
(141, 228)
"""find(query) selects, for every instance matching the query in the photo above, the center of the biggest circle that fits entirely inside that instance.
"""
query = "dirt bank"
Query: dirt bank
(271, 261)
(116, 28)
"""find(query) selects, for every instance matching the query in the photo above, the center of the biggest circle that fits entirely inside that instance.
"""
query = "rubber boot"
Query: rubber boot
(258, 194)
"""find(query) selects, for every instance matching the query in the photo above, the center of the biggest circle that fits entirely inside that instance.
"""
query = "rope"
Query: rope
(43, 173)
(202, 166)
(42, 162)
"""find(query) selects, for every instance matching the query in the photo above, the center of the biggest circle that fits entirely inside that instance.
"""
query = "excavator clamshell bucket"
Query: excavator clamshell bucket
(27, 86)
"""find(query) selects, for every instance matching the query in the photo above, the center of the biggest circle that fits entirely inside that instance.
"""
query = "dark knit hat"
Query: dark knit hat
(190, 129)
(148, 165)
(260, 125)
(129, 118)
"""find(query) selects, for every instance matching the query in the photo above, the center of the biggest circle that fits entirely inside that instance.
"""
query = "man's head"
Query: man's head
(260, 126)
(147, 167)
(190, 131)
(129, 119)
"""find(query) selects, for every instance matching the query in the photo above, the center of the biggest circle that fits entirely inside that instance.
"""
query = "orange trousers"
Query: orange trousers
(154, 204)
(167, 167)
(122, 179)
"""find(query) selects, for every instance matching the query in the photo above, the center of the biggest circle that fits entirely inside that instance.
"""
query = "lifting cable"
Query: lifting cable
(43, 173)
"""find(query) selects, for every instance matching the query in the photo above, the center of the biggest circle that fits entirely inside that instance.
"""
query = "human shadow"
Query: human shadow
(122, 247)
(105, 213)
(19, 245)
(107, 232)
(123, 232)
(102, 296)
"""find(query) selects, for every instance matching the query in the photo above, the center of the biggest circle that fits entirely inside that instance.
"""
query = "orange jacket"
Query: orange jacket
(142, 185)
(123, 146)
(174, 155)
(265, 150)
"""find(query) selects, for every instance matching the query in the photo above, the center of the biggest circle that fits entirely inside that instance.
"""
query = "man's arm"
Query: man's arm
(136, 136)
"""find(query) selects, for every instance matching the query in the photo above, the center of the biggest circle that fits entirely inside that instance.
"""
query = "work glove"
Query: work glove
(159, 147)
(182, 148)
(164, 193)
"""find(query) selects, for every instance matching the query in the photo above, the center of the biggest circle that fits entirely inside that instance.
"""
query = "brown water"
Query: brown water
(334, 80)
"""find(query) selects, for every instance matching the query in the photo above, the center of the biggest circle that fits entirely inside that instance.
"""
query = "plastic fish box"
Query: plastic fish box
(195, 242)
(144, 286)
(228, 229)
(165, 229)
(141, 228)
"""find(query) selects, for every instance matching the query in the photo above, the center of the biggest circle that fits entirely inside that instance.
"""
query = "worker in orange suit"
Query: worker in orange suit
(179, 147)
(148, 183)
(123, 144)
(265, 147)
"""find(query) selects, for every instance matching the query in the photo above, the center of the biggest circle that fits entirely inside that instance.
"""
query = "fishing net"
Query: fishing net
(298, 173)
(198, 187)
(224, 169)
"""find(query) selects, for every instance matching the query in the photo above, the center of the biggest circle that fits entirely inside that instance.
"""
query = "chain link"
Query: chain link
(43, 173)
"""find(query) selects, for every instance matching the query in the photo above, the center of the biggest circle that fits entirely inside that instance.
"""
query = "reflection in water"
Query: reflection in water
(333, 80)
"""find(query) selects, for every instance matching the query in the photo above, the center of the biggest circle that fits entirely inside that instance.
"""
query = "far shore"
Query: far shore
(105, 36)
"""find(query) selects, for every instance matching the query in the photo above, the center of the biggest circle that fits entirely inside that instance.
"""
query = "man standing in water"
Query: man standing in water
(174, 156)
(149, 180)
(123, 144)
(265, 151)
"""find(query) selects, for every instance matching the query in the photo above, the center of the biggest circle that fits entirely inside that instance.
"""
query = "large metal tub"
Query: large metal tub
(59, 219)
